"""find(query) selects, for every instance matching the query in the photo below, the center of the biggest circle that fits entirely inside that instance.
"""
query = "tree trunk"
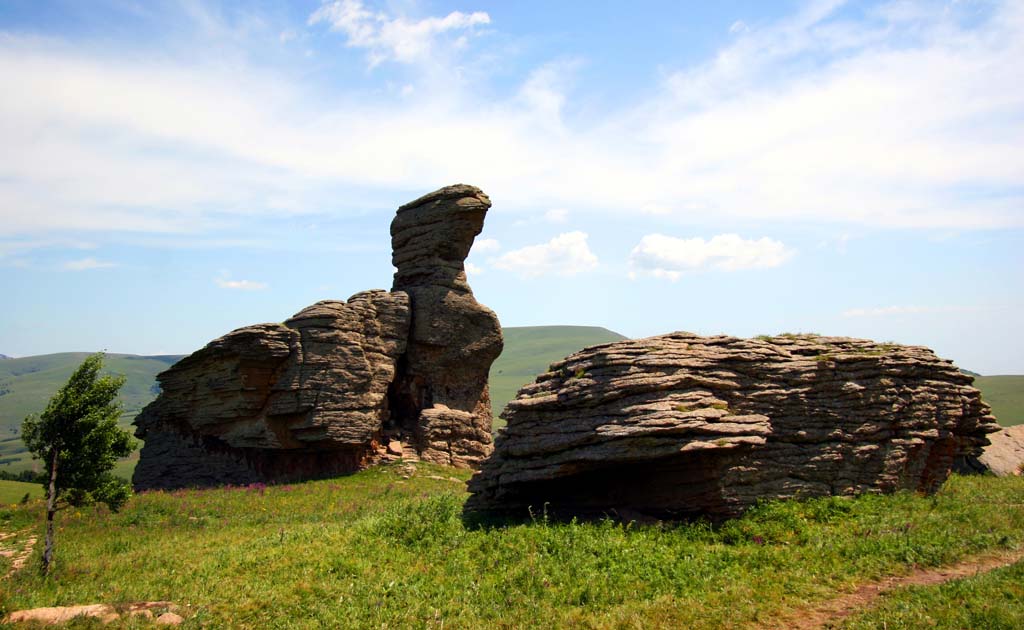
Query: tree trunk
(51, 509)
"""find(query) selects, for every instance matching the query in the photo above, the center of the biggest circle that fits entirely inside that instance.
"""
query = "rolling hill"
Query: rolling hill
(529, 350)
(1006, 396)
(27, 383)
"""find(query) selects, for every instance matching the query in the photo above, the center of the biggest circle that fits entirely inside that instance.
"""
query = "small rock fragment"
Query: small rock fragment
(169, 619)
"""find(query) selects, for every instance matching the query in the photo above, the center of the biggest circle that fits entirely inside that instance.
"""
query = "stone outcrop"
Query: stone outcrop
(1004, 456)
(453, 339)
(329, 390)
(680, 425)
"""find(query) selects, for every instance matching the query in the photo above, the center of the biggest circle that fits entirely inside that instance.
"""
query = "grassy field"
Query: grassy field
(1006, 395)
(529, 350)
(13, 491)
(27, 384)
(993, 601)
(389, 548)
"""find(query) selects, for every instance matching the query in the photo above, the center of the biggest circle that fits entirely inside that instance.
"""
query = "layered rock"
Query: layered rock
(680, 425)
(442, 382)
(326, 391)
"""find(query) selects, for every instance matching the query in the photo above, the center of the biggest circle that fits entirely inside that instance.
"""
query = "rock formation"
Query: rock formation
(326, 391)
(1004, 456)
(453, 339)
(680, 425)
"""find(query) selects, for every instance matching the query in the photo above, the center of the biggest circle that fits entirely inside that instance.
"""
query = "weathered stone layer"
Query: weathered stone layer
(324, 392)
(441, 389)
(262, 402)
(681, 425)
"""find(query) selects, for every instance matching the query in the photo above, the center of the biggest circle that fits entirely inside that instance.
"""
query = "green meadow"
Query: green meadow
(991, 601)
(1006, 395)
(390, 547)
(14, 491)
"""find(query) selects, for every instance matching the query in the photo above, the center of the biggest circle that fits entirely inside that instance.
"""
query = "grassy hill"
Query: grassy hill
(1006, 396)
(389, 547)
(27, 383)
(529, 350)
(13, 491)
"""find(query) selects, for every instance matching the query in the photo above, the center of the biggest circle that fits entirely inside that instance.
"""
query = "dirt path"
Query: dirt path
(831, 613)
(19, 556)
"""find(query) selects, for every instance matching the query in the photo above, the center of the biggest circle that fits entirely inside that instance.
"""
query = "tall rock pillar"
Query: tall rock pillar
(440, 392)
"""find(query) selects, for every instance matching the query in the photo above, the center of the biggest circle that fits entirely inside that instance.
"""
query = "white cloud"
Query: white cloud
(895, 123)
(669, 257)
(473, 270)
(565, 255)
(394, 38)
(557, 215)
(225, 282)
(484, 245)
(904, 310)
(85, 264)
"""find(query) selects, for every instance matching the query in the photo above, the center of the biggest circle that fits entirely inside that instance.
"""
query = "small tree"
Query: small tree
(78, 439)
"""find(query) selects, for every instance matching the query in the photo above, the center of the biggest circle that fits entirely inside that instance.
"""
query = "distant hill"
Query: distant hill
(4, 356)
(1006, 396)
(27, 383)
(529, 350)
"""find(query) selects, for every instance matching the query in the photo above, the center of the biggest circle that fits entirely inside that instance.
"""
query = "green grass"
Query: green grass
(376, 549)
(13, 491)
(26, 384)
(1006, 396)
(990, 601)
(529, 350)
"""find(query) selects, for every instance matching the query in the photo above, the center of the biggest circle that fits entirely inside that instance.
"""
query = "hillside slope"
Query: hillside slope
(1006, 396)
(529, 350)
(27, 383)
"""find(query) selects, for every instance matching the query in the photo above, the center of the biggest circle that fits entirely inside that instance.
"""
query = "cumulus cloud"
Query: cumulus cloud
(393, 38)
(565, 255)
(897, 122)
(473, 270)
(669, 257)
(557, 215)
(485, 245)
(85, 264)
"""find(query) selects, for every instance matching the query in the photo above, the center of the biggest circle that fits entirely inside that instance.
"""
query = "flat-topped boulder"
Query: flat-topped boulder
(327, 391)
(680, 426)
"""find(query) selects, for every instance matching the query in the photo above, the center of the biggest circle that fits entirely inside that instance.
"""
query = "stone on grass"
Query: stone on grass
(680, 426)
(341, 385)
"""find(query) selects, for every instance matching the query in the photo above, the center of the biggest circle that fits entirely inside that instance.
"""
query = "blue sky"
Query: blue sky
(170, 171)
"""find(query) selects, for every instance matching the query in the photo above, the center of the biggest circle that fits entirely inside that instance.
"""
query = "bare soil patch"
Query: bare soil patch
(831, 613)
